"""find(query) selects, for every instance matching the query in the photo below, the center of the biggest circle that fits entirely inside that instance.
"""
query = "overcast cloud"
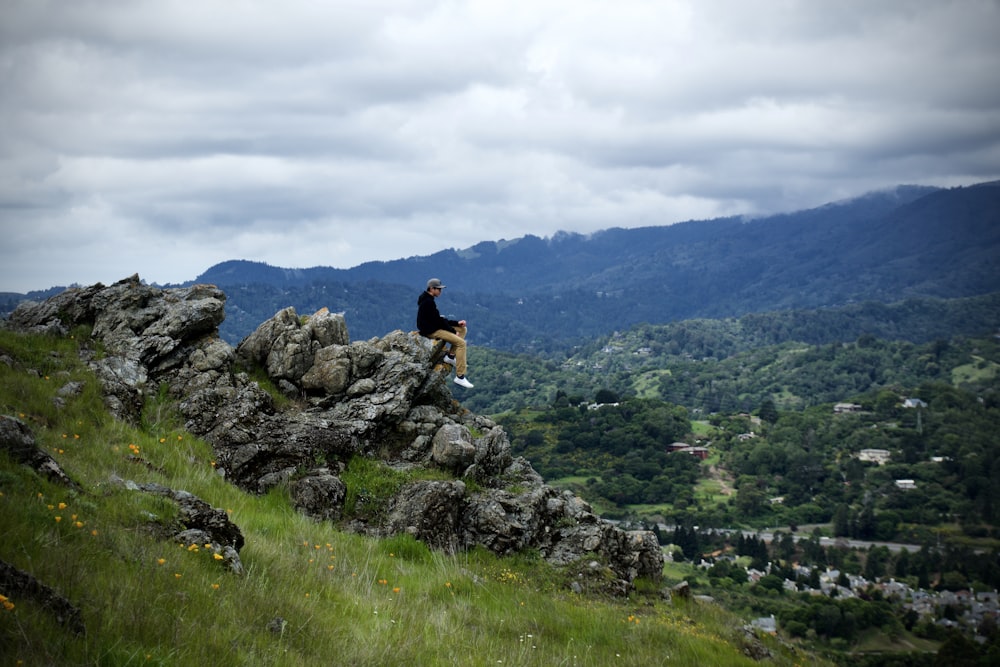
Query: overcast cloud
(160, 137)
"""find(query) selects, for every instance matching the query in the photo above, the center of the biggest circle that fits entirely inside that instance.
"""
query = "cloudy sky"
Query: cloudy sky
(160, 137)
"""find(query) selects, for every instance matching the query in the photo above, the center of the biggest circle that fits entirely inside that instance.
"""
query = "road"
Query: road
(805, 532)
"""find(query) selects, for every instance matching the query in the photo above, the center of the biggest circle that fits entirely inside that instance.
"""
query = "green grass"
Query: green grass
(876, 641)
(979, 371)
(311, 593)
(710, 492)
(703, 428)
(647, 385)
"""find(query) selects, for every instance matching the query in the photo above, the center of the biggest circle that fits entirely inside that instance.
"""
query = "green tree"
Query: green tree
(841, 521)
(606, 396)
(768, 411)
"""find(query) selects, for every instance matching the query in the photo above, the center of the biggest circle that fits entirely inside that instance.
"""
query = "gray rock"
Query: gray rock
(22, 585)
(319, 494)
(327, 328)
(286, 346)
(452, 448)
(493, 456)
(203, 526)
(70, 389)
(431, 511)
(217, 355)
(330, 372)
(18, 441)
(123, 382)
(281, 346)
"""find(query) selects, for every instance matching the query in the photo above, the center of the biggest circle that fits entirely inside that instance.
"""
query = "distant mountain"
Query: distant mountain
(541, 294)
(535, 293)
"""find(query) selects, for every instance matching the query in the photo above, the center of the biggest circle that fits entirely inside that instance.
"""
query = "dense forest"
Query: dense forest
(796, 358)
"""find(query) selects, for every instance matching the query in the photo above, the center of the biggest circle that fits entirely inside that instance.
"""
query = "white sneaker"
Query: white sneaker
(462, 381)
(448, 360)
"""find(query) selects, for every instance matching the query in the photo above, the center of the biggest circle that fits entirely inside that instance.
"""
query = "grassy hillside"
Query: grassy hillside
(311, 593)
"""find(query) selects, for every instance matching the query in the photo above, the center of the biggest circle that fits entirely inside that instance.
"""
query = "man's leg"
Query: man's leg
(457, 343)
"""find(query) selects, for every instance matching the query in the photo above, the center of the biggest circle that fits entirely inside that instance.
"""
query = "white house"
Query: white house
(879, 456)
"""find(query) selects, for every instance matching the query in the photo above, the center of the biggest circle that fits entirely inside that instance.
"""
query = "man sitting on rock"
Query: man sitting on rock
(431, 324)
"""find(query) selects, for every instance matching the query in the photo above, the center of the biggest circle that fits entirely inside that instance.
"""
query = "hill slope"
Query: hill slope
(92, 572)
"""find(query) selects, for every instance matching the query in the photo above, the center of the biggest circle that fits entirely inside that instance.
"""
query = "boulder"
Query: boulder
(452, 448)
(286, 346)
(330, 372)
(327, 328)
(431, 511)
(493, 457)
(319, 494)
(281, 346)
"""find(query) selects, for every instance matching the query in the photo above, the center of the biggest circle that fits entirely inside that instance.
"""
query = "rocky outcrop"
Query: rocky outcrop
(201, 525)
(145, 332)
(20, 584)
(332, 399)
(17, 440)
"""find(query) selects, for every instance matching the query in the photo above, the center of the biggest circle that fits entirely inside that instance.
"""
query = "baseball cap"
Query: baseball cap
(434, 282)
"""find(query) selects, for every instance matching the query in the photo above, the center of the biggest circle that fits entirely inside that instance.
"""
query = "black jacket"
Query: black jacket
(429, 319)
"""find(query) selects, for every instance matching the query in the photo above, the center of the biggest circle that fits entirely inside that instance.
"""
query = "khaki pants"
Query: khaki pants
(456, 342)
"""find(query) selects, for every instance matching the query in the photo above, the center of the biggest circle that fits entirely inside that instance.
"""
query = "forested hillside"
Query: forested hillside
(800, 449)
(796, 357)
(533, 294)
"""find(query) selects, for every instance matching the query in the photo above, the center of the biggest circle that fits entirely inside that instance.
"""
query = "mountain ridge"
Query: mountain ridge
(533, 293)
(492, 254)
